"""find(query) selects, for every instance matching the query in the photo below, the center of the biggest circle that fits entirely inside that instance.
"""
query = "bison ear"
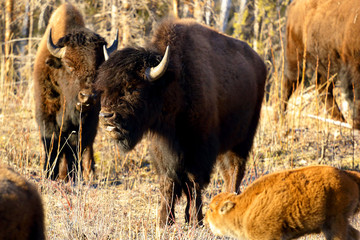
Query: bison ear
(53, 62)
(226, 206)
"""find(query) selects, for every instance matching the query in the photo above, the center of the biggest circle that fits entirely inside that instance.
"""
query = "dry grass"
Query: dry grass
(122, 201)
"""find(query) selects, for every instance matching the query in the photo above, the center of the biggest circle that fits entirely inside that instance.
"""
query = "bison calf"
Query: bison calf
(21, 210)
(289, 204)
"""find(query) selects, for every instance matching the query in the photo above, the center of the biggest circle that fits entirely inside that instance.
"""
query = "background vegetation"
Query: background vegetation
(122, 200)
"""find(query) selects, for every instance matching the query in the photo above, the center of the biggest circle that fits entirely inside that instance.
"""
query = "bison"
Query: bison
(199, 94)
(325, 33)
(21, 209)
(289, 204)
(66, 107)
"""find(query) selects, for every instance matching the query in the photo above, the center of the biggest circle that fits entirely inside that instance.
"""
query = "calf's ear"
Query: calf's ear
(226, 206)
(53, 62)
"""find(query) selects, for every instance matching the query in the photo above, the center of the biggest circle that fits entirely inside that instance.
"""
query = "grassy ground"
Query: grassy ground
(122, 201)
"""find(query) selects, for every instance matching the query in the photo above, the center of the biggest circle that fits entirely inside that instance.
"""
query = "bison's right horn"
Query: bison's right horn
(112, 48)
(155, 73)
(53, 49)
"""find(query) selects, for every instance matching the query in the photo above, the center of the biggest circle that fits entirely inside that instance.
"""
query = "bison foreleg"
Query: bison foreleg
(170, 193)
(51, 165)
(88, 163)
(193, 212)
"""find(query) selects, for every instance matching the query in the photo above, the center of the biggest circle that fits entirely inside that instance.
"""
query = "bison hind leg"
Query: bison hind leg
(232, 168)
(327, 97)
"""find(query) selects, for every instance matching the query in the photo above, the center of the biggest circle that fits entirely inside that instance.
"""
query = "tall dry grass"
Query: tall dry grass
(122, 200)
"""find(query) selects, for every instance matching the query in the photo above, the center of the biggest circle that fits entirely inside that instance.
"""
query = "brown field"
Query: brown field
(121, 201)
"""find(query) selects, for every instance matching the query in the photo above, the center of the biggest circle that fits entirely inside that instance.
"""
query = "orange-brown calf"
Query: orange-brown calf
(289, 204)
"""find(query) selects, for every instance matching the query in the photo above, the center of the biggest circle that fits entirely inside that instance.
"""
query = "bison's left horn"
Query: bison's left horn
(112, 48)
(53, 49)
(155, 73)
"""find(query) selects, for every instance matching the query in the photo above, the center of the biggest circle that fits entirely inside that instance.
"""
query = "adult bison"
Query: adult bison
(21, 208)
(328, 32)
(66, 108)
(199, 99)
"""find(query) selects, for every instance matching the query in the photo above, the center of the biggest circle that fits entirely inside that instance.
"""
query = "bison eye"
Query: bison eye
(53, 62)
(69, 65)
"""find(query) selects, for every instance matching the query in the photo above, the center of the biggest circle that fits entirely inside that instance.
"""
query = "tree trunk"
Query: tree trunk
(208, 12)
(224, 14)
(125, 29)
(197, 10)
(256, 24)
(175, 4)
(114, 18)
(9, 8)
(242, 6)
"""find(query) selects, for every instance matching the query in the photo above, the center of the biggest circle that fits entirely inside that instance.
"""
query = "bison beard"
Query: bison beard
(66, 106)
(328, 31)
(201, 101)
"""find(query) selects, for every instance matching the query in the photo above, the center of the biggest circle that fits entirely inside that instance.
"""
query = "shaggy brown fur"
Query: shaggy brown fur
(66, 108)
(21, 210)
(205, 105)
(289, 204)
(329, 30)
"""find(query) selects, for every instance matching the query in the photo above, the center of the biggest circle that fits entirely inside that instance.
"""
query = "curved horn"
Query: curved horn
(53, 49)
(106, 55)
(112, 48)
(155, 73)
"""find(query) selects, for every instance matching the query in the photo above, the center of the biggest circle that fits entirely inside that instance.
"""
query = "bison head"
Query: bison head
(130, 87)
(75, 59)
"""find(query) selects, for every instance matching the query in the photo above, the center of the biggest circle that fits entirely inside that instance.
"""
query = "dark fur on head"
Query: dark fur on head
(130, 93)
(81, 38)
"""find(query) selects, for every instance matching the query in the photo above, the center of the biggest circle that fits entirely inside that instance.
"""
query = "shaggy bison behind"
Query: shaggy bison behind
(21, 209)
(66, 107)
(199, 98)
(289, 204)
(327, 33)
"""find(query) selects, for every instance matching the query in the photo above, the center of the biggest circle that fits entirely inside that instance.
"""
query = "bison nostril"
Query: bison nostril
(84, 97)
(106, 115)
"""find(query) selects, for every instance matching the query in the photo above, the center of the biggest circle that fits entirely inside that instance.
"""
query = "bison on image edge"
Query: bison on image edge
(66, 106)
(199, 94)
(289, 204)
(21, 208)
(326, 33)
